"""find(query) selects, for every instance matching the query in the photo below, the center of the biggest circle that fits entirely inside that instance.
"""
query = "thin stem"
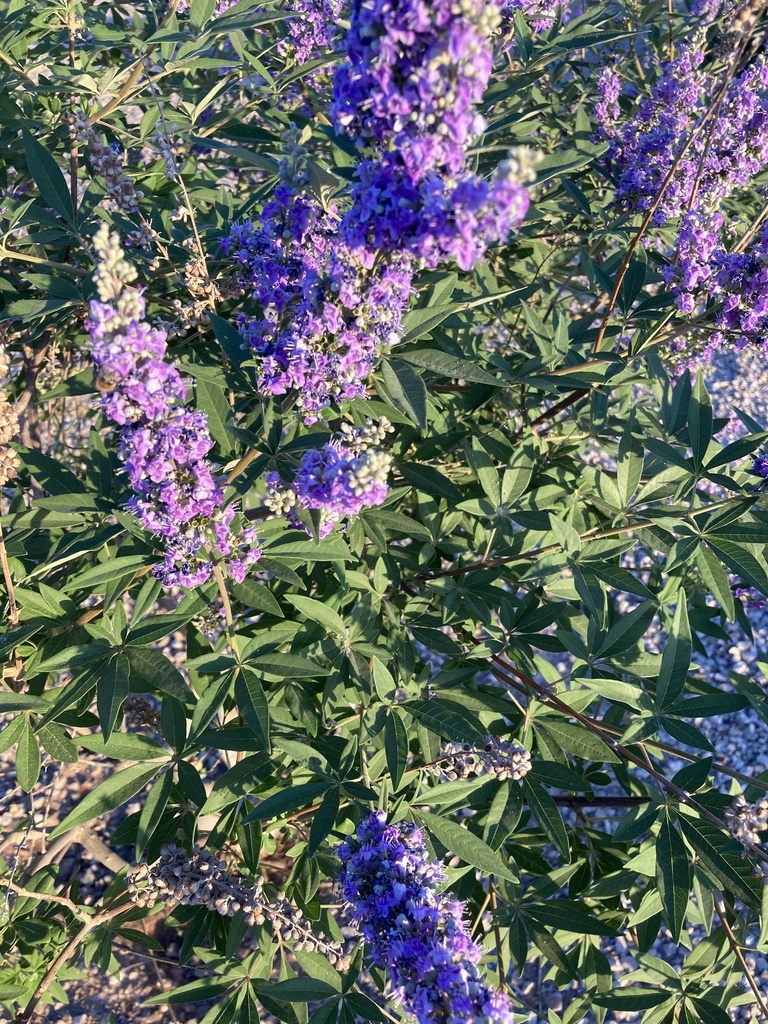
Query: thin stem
(503, 671)
(737, 950)
(13, 608)
(497, 936)
(221, 583)
(48, 897)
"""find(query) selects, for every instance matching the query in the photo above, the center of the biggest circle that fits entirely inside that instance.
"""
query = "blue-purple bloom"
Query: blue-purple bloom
(419, 935)
(333, 285)
(725, 153)
(164, 445)
(338, 480)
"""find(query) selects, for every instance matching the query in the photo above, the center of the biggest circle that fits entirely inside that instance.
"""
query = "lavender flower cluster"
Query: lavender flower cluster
(727, 149)
(164, 444)
(340, 479)
(408, 96)
(311, 31)
(420, 935)
(333, 288)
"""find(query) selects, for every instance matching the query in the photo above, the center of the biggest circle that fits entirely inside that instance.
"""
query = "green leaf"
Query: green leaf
(466, 845)
(123, 746)
(625, 633)
(48, 177)
(252, 702)
(451, 366)
(301, 990)
(286, 666)
(708, 841)
(332, 549)
(445, 719)
(213, 402)
(152, 812)
(173, 723)
(27, 758)
(324, 821)
(700, 420)
(288, 800)
(544, 809)
(396, 748)
(112, 688)
(577, 739)
(631, 998)
(114, 791)
(504, 813)
(715, 579)
(747, 564)
(319, 612)
(629, 465)
(673, 876)
(676, 657)
(152, 672)
(103, 573)
(431, 481)
(405, 389)
(22, 702)
(708, 1012)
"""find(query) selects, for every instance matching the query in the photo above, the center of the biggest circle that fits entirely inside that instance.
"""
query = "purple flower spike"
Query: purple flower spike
(163, 444)
(419, 935)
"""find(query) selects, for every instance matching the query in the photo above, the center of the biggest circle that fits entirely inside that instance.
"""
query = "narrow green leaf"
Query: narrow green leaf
(301, 990)
(112, 688)
(405, 389)
(700, 419)
(114, 791)
(324, 821)
(676, 657)
(173, 723)
(545, 811)
(48, 177)
(673, 876)
(504, 813)
(288, 800)
(466, 845)
(152, 672)
(715, 579)
(253, 704)
(27, 758)
(396, 748)
(152, 812)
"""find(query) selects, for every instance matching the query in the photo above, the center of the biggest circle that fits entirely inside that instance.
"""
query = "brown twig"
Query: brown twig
(737, 951)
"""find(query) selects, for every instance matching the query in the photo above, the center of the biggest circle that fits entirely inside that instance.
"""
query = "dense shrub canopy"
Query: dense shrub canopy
(366, 519)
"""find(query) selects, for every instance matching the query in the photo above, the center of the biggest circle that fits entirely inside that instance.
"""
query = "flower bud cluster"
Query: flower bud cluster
(9, 423)
(746, 821)
(203, 880)
(163, 443)
(338, 480)
(106, 161)
(421, 936)
(168, 150)
(500, 758)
